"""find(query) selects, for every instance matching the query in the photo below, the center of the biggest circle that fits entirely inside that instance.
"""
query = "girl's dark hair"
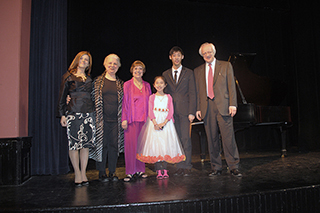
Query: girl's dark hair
(160, 76)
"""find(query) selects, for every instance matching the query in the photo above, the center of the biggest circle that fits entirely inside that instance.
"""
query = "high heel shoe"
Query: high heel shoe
(85, 183)
(78, 184)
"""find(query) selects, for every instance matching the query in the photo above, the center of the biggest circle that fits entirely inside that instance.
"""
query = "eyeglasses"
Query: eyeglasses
(209, 52)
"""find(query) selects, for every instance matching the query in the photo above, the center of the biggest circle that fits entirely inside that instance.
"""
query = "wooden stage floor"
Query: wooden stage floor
(263, 172)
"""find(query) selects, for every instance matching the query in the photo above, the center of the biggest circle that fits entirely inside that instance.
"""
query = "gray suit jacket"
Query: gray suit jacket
(223, 87)
(183, 93)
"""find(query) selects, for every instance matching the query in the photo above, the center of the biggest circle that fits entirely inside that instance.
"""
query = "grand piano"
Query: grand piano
(259, 100)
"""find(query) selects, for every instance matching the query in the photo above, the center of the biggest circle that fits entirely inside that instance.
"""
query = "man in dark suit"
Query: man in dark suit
(181, 86)
(216, 105)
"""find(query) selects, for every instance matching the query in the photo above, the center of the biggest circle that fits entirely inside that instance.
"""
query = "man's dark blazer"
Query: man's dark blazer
(183, 93)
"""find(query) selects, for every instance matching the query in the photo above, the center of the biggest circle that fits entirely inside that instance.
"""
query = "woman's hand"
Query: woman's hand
(124, 124)
(68, 99)
(63, 121)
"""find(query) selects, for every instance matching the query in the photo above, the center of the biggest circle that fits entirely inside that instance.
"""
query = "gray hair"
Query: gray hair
(207, 43)
(112, 55)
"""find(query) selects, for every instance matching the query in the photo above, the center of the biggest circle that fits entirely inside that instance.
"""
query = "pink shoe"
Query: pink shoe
(165, 173)
(159, 176)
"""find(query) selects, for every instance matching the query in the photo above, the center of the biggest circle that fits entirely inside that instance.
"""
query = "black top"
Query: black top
(110, 101)
(80, 93)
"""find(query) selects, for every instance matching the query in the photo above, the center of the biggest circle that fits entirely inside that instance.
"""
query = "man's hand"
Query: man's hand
(232, 110)
(191, 118)
(198, 114)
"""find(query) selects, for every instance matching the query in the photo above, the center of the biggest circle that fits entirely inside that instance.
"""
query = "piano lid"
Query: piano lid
(255, 89)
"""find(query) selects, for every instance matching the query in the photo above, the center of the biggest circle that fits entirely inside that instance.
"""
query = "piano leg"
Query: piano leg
(198, 130)
(283, 133)
(203, 139)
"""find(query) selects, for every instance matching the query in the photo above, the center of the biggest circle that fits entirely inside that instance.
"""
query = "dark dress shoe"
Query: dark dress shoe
(179, 172)
(236, 172)
(112, 177)
(215, 173)
(103, 178)
(85, 183)
(187, 172)
(78, 184)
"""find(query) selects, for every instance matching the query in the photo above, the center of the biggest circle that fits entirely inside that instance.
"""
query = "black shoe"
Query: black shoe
(85, 183)
(215, 173)
(179, 172)
(187, 172)
(236, 172)
(103, 178)
(112, 177)
(78, 184)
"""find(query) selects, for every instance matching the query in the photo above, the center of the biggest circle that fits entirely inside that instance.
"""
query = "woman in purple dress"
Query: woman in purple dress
(134, 115)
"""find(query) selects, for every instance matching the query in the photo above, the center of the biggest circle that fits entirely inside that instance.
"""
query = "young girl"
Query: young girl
(158, 140)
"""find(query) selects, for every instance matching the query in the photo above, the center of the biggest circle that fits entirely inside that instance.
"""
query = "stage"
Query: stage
(269, 184)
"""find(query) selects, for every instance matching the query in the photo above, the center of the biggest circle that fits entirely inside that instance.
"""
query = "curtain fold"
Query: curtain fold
(48, 62)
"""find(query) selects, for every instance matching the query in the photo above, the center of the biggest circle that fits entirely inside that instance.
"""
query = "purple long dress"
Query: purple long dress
(135, 111)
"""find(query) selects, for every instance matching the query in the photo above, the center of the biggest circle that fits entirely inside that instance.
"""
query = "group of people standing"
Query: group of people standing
(107, 116)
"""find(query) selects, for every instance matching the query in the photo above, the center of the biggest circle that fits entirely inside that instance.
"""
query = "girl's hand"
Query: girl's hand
(156, 127)
(163, 124)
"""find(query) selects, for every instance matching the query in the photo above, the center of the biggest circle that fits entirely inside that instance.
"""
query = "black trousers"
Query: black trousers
(110, 148)
(182, 125)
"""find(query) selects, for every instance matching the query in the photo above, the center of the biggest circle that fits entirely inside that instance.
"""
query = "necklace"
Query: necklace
(160, 99)
(139, 85)
(83, 77)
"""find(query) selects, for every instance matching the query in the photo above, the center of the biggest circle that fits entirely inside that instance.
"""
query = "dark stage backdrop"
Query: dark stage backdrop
(146, 30)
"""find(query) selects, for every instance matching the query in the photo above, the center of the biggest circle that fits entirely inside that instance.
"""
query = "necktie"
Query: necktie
(175, 76)
(210, 83)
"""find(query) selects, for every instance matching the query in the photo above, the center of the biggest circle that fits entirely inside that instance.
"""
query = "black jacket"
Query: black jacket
(80, 93)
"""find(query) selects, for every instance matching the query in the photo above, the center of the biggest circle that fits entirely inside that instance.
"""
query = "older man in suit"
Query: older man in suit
(216, 105)
(181, 86)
